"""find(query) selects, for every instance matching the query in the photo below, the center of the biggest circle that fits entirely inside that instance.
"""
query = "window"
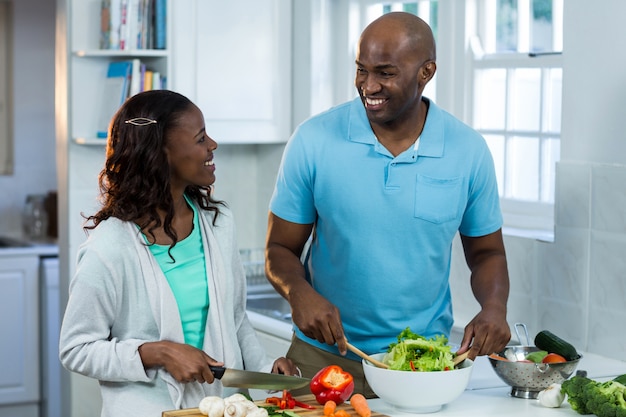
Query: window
(500, 71)
(516, 102)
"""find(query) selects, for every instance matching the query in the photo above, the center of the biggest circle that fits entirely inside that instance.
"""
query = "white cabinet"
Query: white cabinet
(19, 330)
(233, 59)
(81, 70)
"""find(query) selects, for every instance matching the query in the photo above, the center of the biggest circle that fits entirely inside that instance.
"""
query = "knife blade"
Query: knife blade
(257, 380)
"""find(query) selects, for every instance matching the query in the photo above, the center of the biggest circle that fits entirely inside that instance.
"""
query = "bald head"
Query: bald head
(405, 29)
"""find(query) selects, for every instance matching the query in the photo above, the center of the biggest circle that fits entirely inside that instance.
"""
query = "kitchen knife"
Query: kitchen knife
(257, 380)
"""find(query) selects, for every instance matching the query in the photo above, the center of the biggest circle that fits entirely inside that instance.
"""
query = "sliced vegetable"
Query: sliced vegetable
(286, 401)
(546, 340)
(537, 356)
(332, 383)
(341, 413)
(553, 358)
(329, 408)
(360, 405)
(498, 357)
(414, 352)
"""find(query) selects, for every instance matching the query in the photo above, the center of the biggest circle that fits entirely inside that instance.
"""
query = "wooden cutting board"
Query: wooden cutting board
(309, 399)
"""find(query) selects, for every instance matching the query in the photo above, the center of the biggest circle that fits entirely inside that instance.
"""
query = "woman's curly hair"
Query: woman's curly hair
(135, 181)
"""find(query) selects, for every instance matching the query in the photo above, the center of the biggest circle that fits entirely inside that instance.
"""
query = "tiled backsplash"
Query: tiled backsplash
(575, 286)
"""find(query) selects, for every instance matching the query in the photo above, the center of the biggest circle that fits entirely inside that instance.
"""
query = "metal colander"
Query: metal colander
(528, 379)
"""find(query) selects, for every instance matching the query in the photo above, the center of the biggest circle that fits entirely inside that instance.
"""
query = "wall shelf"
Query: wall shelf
(112, 53)
(90, 141)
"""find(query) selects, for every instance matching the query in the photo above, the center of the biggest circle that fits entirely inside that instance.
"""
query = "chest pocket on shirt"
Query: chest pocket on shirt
(437, 200)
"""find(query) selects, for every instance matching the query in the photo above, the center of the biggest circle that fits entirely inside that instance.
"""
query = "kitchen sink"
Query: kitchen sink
(269, 303)
(9, 242)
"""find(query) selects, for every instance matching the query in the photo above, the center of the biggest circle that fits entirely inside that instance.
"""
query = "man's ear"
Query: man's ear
(427, 71)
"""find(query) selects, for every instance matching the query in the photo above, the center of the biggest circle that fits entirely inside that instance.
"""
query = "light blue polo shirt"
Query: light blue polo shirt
(385, 225)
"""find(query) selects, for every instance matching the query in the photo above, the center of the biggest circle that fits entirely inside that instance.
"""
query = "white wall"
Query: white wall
(33, 113)
(576, 286)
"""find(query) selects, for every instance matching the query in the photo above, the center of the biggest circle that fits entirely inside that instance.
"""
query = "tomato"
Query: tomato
(553, 358)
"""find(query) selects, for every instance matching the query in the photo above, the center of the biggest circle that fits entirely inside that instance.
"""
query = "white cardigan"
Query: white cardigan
(119, 299)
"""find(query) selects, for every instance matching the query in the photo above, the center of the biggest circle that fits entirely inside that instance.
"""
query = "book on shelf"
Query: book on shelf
(156, 80)
(125, 79)
(160, 13)
(148, 80)
(132, 24)
(115, 92)
(105, 24)
(135, 78)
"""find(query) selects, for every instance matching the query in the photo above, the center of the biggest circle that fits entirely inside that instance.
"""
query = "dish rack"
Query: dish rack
(254, 267)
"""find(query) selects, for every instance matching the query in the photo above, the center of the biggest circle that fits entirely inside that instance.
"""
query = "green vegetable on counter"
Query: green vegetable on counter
(604, 399)
(413, 352)
(537, 356)
(546, 340)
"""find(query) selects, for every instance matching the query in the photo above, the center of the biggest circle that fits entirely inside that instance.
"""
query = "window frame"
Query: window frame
(457, 59)
(521, 218)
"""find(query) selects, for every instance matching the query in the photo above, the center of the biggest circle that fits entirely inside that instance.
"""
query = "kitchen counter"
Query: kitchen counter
(279, 328)
(486, 395)
(485, 403)
(33, 248)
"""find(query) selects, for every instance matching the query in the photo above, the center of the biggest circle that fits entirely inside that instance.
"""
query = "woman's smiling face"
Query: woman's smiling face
(190, 151)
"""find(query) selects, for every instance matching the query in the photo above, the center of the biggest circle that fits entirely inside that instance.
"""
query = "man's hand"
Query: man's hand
(285, 366)
(318, 319)
(488, 332)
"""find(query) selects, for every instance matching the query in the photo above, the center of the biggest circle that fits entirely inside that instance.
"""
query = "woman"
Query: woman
(159, 291)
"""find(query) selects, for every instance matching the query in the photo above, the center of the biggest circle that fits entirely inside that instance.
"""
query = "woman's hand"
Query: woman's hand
(285, 366)
(184, 362)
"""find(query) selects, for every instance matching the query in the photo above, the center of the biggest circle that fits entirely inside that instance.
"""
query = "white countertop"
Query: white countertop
(278, 328)
(39, 249)
(486, 395)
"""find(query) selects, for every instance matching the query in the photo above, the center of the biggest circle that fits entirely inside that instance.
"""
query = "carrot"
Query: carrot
(360, 405)
(498, 357)
(342, 413)
(329, 407)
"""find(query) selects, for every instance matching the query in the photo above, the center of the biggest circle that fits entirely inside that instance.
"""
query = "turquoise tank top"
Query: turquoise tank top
(187, 277)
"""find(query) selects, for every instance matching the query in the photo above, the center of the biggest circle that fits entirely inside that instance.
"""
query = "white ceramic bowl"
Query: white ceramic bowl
(417, 392)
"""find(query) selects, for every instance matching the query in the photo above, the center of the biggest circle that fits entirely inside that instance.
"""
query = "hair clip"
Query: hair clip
(140, 121)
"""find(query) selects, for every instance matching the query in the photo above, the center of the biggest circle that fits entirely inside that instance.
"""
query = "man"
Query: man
(382, 184)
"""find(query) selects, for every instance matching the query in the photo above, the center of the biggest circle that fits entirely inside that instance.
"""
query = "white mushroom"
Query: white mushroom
(235, 409)
(241, 399)
(236, 397)
(212, 406)
(258, 412)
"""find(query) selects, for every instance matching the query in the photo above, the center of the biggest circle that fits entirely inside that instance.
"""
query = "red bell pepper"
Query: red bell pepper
(332, 383)
(287, 402)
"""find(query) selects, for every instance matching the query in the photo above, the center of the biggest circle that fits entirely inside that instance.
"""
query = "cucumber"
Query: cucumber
(546, 340)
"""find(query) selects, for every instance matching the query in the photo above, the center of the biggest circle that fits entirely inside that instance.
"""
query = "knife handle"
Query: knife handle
(218, 371)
